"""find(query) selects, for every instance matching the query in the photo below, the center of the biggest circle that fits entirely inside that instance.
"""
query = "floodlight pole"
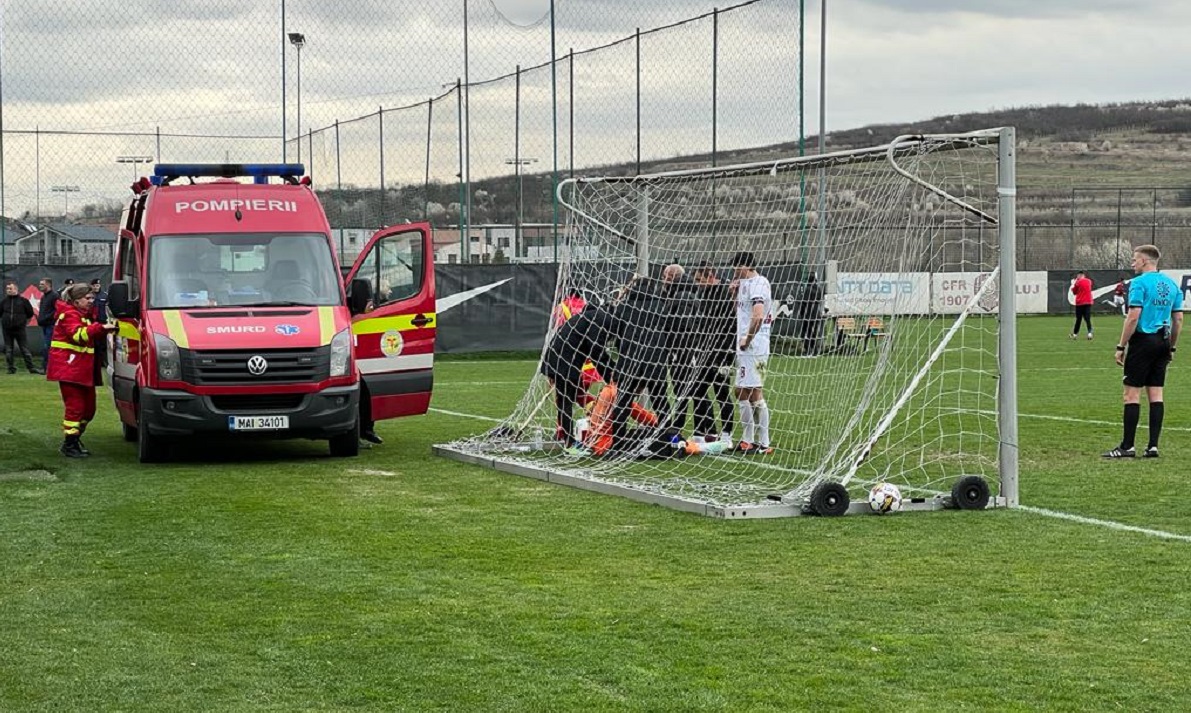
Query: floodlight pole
(135, 161)
(297, 39)
(1007, 344)
(65, 191)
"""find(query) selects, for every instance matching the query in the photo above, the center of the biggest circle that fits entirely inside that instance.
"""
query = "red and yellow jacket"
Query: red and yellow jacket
(72, 348)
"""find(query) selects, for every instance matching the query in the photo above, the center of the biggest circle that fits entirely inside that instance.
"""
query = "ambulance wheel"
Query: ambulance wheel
(149, 448)
(129, 432)
(346, 445)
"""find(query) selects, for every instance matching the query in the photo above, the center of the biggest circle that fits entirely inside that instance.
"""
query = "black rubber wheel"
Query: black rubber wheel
(129, 432)
(149, 448)
(346, 445)
(829, 500)
(970, 493)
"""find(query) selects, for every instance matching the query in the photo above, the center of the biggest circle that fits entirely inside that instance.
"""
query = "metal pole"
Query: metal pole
(467, 124)
(299, 103)
(571, 106)
(380, 119)
(159, 144)
(1117, 257)
(1071, 242)
(715, 78)
(426, 183)
(1154, 217)
(554, 129)
(1007, 344)
(37, 172)
(822, 211)
(638, 101)
(520, 230)
(284, 130)
(463, 246)
(338, 161)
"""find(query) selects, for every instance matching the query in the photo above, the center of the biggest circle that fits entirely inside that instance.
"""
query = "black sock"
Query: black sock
(1132, 416)
(1157, 411)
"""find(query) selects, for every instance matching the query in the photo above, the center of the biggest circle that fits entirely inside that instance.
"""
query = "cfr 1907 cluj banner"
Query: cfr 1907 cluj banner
(951, 291)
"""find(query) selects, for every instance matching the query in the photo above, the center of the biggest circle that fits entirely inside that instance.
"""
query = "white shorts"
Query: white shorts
(750, 370)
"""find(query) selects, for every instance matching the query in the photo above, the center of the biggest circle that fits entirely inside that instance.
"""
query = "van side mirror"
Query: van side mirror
(359, 294)
(119, 303)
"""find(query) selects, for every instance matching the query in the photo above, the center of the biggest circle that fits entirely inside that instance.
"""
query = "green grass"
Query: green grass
(273, 578)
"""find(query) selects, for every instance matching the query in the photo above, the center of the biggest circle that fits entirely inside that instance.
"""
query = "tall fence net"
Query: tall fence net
(457, 113)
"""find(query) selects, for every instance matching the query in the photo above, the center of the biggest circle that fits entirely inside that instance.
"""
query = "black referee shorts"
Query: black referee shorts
(1146, 360)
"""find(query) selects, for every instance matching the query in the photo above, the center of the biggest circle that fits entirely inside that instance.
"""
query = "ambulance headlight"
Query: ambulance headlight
(341, 350)
(169, 361)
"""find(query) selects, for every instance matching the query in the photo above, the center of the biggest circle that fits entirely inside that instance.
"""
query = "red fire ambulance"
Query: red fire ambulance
(234, 319)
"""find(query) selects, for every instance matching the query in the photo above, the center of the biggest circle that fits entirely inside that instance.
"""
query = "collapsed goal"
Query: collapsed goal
(891, 346)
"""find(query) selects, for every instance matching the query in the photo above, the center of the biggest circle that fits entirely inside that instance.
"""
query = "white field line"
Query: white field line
(1120, 526)
(522, 382)
(467, 415)
(1110, 524)
(1090, 421)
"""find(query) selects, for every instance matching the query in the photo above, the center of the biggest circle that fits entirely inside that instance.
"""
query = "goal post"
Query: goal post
(900, 369)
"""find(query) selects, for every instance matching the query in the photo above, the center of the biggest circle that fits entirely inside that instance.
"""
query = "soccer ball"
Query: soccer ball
(885, 497)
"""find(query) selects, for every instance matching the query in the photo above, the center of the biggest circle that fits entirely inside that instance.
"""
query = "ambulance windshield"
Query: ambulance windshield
(257, 269)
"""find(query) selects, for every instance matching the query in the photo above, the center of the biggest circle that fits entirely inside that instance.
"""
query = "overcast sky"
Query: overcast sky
(214, 67)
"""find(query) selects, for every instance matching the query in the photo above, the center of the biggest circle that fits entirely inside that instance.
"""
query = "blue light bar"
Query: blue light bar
(229, 170)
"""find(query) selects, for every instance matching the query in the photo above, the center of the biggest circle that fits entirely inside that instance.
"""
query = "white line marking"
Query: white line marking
(1105, 523)
(481, 383)
(1090, 421)
(467, 415)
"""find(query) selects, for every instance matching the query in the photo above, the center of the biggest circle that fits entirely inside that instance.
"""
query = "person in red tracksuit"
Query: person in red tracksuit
(72, 364)
(1081, 287)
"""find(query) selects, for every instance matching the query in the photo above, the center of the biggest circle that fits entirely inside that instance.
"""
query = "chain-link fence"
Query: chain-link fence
(461, 113)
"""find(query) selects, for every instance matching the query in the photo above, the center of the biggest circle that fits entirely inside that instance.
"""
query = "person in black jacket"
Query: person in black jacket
(15, 313)
(810, 316)
(581, 338)
(47, 314)
(717, 357)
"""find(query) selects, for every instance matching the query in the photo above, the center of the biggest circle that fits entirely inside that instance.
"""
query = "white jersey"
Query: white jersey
(752, 291)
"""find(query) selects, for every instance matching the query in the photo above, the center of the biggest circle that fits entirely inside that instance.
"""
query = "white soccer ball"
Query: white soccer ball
(885, 497)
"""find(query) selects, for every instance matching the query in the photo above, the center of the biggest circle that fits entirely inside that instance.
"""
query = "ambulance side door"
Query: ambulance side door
(395, 335)
(124, 346)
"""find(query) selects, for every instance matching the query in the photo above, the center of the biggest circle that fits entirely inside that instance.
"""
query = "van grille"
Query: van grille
(285, 366)
(252, 403)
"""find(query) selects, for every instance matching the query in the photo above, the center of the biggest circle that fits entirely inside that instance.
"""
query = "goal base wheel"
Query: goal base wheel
(970, 493)
(829, 500)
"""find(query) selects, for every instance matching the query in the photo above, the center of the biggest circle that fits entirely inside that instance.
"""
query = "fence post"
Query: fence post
(715, 79)
(638, 36)
(380, 120)
(426, 182)
(463, 246)
(571, 107)
(1116, 259)
(338, 160)
(1071, 246)
(520, 220)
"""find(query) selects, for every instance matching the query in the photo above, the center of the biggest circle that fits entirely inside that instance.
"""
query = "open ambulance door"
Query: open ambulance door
(395, 334)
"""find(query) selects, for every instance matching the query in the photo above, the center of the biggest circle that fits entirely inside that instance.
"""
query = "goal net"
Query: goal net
(881, 320)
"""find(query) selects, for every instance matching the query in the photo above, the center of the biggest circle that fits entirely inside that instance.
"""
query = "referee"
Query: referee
(1147, 345)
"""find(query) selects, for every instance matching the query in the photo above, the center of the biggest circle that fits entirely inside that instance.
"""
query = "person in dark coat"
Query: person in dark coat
(46, 313)
(15, 313)
(810, 316)
(582, 338)
(72, 364)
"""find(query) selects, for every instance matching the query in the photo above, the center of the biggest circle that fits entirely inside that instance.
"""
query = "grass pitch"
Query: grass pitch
(269, 577)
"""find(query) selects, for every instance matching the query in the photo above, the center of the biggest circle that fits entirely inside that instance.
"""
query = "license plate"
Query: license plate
(257, 423)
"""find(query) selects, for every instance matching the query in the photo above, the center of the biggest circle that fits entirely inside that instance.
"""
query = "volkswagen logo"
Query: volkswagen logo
(257, 365)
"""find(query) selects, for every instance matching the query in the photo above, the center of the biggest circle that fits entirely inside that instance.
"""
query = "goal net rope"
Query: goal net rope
(880, 317)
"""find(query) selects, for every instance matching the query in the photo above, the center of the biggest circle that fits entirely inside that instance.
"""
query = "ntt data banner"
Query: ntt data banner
(866, 293)
(951, 292)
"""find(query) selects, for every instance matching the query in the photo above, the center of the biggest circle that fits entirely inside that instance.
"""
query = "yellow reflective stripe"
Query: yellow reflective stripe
(72, 347)
(326, 324)
(566, 310)
(128, 330)
(80, 335)
(70, 423)
(400, 323)
(173, 325)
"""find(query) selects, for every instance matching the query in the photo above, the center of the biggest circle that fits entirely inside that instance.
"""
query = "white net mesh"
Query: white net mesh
(889, 374)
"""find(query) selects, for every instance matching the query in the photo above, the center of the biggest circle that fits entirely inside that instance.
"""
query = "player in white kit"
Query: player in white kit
(754, 317)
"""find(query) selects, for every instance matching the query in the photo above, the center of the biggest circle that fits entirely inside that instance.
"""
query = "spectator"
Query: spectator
(1081, 287)
(47, 312)
(15, 313)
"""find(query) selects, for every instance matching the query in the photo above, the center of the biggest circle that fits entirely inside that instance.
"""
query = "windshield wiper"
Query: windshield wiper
(277, 303)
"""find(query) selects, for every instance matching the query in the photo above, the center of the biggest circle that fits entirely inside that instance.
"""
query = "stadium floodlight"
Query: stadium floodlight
(900, 369)
(135, 161)
(65, 191)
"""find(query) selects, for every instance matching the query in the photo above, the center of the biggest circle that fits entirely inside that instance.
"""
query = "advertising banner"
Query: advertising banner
(951, 291)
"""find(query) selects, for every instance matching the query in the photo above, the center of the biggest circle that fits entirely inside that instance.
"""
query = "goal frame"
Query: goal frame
(1006, 397)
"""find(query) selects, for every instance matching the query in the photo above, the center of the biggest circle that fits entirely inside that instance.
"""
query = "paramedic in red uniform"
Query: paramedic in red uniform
(72, 363)
(1081, 287)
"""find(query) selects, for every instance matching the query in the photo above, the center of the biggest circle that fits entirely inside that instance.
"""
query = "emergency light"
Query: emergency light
(164, 173)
